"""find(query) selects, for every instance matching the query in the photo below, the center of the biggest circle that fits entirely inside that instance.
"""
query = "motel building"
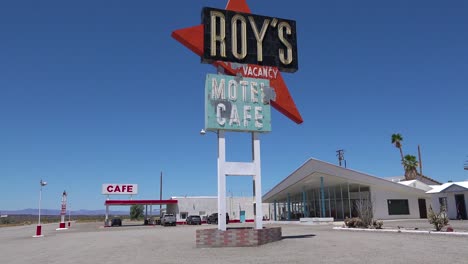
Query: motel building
(319, 190)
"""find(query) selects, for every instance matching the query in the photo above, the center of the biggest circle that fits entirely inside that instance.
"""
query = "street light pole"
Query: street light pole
(69, 214)
(39, 228)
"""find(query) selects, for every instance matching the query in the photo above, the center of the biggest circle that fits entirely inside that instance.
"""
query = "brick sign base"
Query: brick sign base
(237, 237)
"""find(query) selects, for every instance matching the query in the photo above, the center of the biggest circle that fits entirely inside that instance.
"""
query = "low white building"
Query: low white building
(453, 196)
(321, 189)
(240, 209)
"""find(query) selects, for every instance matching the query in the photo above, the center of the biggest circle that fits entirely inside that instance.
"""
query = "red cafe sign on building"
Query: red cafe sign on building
(120, 189)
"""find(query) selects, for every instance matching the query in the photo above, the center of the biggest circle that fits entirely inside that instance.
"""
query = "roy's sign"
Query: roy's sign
(120, 189)
(249, 39)
(237, 104)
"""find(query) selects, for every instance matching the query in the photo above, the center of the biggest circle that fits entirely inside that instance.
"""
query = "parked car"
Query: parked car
(193, 220)
(168, 219)
(116, 222)
(213, 218)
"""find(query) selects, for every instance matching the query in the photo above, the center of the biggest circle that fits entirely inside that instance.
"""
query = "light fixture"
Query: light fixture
(39, 227)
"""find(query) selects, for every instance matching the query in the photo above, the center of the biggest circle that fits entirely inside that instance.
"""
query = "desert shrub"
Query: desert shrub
(439, 220)
(365, 211)
(354, 222)
(136, 212)
(5, 221)
(377, 224)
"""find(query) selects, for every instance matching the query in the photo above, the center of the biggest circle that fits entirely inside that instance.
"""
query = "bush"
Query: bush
(377, 224)
(136, 212)
(354, 222)
(365, 211)
(439, 220)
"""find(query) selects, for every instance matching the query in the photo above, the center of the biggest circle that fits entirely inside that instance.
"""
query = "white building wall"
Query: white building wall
(206, 205)
(451, 204)
(380, 199)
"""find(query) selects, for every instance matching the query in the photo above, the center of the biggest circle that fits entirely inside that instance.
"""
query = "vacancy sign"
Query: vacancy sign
(237, 104)
(120, 189)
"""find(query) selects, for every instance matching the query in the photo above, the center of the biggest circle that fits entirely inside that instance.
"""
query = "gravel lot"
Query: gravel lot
(91, 243)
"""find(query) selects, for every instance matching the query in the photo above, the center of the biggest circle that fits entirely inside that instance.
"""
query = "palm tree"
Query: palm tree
(410, 163)
(396, 140)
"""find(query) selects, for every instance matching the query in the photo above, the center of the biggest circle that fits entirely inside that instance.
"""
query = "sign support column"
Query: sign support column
(257, 180)
(106, 221)
(221, 180)
(239, 169)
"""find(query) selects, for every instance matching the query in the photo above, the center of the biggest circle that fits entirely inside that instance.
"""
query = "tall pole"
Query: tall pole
(258, 180)
(420, 161)
(221, 181)
(39, 213)
(39, 228)
(160, 193)
(69, 214)
(340, 155)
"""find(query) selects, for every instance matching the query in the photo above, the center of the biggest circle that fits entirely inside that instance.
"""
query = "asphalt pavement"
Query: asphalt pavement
(134, 243)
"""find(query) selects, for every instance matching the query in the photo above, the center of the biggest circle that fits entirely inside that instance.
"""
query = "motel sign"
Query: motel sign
(237, 104)
(243, 45)
(249, 39)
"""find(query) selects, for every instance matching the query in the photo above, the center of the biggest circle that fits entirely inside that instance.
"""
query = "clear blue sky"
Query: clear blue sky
(95, 92)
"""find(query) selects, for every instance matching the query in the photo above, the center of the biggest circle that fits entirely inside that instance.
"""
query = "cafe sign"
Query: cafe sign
(237, 104)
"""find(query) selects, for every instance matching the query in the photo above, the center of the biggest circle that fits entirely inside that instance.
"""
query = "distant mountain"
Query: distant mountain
(31, 211)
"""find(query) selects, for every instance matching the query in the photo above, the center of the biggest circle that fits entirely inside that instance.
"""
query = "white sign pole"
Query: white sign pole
(221, 181)
(258, 180)
(226, 168)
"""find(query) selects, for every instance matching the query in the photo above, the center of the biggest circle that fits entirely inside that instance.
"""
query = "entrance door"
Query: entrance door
(422, 208)
(460, 206)
(242, 216)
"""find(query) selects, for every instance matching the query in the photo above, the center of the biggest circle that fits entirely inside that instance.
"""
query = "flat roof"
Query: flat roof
(142, 202)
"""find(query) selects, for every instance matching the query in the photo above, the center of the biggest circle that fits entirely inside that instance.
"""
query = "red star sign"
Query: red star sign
(192, 38)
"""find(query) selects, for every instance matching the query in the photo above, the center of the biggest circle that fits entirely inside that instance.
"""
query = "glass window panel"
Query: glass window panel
(398, 207)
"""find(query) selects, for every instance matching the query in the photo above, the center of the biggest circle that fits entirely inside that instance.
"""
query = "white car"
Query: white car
(168, 219)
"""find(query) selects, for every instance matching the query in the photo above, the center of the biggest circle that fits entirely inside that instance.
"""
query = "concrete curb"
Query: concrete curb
(300, 223)
(403, 231)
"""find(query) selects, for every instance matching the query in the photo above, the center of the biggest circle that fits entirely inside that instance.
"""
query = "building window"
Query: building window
(183, 215)
(443, 203)
(398, 207)
(200, 213)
